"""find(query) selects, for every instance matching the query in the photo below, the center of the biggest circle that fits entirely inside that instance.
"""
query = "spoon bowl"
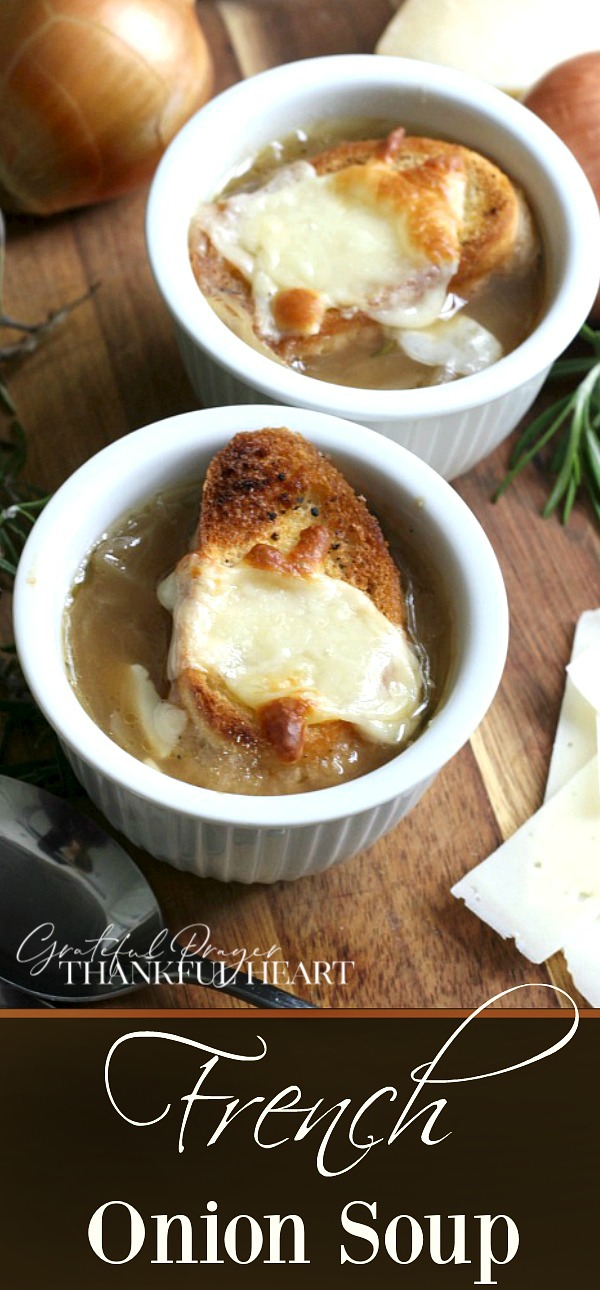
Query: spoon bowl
(78, 920)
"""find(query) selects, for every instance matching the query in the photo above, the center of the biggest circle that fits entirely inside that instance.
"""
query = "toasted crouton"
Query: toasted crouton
(495, 234)
(271, 486)
(271, 500)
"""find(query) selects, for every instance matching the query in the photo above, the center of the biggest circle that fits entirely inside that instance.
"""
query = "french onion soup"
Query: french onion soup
(285, 650)
(385, 263)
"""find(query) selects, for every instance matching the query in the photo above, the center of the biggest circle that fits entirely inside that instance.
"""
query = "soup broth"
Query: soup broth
(114, 620)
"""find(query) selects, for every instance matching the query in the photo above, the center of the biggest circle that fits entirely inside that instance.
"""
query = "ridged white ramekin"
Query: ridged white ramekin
(450, 426)
(223, 835)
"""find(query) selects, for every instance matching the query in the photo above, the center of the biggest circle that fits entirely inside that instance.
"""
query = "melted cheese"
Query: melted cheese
(368, 238)
(161, 722)
(458, 345)
(270, 635)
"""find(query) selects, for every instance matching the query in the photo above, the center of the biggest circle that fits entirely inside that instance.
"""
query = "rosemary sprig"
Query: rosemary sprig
(29, 749)
(571, 425)
(20, 502)
(32, 332)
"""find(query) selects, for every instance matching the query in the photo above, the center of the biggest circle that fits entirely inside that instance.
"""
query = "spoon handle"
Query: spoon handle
(236, 982)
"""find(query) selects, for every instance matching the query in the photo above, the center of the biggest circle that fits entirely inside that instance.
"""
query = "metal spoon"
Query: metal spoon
(78, 920)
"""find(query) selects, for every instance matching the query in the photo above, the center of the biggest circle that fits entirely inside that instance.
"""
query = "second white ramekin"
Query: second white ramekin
(450, 426)
(224, 835)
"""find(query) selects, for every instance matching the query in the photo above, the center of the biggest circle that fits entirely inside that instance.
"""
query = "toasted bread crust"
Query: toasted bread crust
(273, 482)
(496, 235)
(272, 491)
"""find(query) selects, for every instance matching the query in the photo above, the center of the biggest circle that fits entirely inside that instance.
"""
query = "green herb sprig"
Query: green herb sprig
(20, 503)
(568, 433)
(29, 749)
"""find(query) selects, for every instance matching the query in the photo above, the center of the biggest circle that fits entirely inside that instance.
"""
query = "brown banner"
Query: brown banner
(347, 1151)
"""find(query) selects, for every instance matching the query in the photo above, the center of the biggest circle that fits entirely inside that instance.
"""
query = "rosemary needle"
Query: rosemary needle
(572, 426)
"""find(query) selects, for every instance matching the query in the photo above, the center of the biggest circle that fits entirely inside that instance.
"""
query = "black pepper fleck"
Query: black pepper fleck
(314, 510)
(281, 474)
(272, 515)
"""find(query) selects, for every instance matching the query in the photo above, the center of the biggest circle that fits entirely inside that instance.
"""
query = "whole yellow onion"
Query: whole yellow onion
(91, 92)
(568, 100)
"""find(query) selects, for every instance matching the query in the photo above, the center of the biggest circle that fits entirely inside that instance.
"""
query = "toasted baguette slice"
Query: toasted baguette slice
(272, 499)
(272, 485)
(496, 235)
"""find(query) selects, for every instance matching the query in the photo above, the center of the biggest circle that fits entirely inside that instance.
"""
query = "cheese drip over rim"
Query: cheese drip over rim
(368, 238)
(269, 635)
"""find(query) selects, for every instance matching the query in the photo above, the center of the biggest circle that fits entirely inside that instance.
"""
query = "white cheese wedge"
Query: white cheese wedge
(576, 734)
(270, 635)
(161, 722)
(364, 238)
(511, 43)
(542, 887)
(582, 953)
(584, 671)
(544, 882)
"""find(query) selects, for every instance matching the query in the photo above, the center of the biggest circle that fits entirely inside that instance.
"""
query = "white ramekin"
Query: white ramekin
(450, 426)
(222, 835)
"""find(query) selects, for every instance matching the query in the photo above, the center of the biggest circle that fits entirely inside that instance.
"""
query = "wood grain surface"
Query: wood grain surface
(113, 366)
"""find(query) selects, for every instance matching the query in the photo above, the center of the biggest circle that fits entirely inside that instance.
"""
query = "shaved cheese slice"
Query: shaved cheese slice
(582, 952)
(542, 887)
(584, 672)
(576, 734)
(545, 880)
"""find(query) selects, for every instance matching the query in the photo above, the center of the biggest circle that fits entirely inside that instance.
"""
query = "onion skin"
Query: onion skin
(91, 93)
(568, 100)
